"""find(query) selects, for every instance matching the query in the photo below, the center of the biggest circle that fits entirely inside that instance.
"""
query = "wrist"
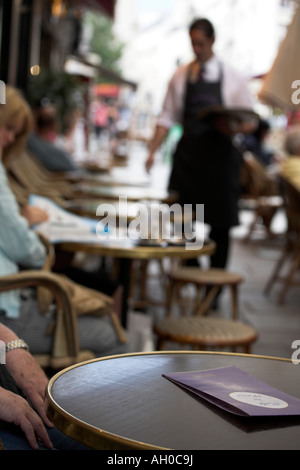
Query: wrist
(16, 344)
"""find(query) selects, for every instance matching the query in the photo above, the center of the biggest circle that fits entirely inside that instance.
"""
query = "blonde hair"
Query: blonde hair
(15, 109)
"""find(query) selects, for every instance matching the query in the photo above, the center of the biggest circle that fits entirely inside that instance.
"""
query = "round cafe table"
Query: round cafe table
(110, 179)
(88, 208)
(133, 193)
(127, 250)
(123, 402)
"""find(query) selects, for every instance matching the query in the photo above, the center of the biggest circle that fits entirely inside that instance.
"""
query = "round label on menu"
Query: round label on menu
(258, 399)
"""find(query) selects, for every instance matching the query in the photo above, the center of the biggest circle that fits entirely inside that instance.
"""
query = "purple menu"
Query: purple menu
(237, 392)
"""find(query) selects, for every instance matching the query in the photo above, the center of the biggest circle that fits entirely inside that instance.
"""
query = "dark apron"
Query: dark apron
(206, 165)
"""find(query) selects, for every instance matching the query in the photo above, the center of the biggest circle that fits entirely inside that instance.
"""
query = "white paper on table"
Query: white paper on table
(65, 226)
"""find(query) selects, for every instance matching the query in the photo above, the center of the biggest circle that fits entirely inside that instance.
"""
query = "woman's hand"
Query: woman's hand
(34, 215)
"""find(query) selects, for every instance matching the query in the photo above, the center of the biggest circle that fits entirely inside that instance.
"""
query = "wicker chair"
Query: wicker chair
(52, 289)
(65, 350)
(291, 251)
(260, 194)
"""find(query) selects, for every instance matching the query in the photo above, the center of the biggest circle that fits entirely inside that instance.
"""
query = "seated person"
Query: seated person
(40, 143)
(20, 246)
(290, 168)
(23, 422)
(255, 143)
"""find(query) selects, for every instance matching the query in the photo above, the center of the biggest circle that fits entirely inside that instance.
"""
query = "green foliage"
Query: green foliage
(104, 43)
(61, 89)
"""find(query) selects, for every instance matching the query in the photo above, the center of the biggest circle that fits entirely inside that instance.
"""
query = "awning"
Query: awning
(106, 6)
(109, 75)
(107, 90)
(278, 88)
(80, 66)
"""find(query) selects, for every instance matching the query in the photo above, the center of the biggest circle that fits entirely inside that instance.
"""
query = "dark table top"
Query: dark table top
(123, 402)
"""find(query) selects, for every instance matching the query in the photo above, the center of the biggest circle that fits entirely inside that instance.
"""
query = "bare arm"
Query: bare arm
(171, 113)
(159, 136)
(32, 381)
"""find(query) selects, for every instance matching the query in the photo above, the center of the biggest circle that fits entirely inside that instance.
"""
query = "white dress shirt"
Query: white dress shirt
(235, 91)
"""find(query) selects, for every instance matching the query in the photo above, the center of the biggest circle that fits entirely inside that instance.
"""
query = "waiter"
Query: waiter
(206, 164)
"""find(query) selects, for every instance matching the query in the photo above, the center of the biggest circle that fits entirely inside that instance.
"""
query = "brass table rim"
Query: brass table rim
(139, 252)
(63, 418)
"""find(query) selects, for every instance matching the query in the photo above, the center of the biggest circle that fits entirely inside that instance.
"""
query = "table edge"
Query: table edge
(138, 252)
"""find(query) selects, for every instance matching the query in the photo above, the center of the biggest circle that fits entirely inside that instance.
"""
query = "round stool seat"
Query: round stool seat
(211, 276)
(205, 332)
(213, 279)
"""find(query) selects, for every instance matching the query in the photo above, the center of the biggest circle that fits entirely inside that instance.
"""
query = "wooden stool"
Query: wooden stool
(202, 333)
(213, 279)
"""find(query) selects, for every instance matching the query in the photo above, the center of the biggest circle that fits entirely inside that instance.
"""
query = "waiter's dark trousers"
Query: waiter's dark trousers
(221, 237)
(219, 259)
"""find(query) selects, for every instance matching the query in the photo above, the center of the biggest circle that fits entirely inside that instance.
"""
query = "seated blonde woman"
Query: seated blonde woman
(21, 247)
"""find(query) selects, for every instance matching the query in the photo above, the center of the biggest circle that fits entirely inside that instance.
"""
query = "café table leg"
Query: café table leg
(124, 279)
